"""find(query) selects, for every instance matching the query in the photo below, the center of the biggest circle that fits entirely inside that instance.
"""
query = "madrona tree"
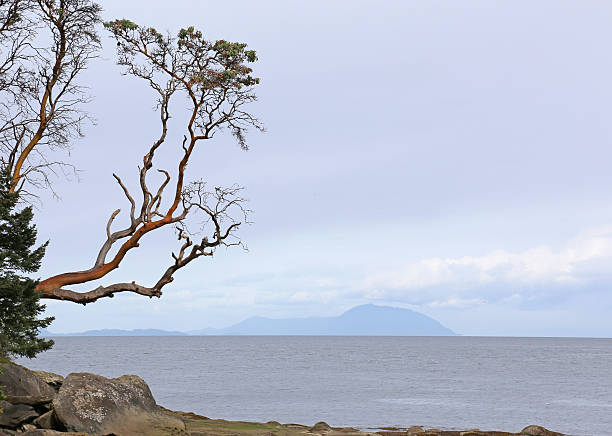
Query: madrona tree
(46, 45)
(214, 79)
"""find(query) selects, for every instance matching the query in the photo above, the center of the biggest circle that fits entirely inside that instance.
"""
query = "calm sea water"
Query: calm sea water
(364, 382)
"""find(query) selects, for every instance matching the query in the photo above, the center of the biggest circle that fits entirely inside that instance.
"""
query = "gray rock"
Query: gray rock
(124, 406)
(52, 379)
(46, 420)
(29, 400)
(536, 430)
(320, 427)
(16, 414)
(17, 381)
(4, 405)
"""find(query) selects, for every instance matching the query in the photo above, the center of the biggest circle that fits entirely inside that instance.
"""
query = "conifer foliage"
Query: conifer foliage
(20, 307)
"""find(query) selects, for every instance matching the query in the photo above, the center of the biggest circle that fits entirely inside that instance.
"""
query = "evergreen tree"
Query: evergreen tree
(19, 302)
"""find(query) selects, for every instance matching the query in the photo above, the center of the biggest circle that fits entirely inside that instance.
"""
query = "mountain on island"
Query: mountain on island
(366, 320)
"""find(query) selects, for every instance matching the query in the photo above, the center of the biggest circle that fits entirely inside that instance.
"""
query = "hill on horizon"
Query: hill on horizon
(364, 320)
(116, 332)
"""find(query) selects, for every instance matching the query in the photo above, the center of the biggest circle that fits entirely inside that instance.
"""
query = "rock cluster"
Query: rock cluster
(46, 404)
(532, 430)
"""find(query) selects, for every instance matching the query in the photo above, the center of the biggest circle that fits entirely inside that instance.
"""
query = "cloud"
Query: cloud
(323, 297)
(456, 302)
(534, 266)
(529, 279)
(538, 279)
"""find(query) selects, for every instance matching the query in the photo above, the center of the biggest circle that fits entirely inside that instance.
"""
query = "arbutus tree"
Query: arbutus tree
(215, 79)
(46, 45)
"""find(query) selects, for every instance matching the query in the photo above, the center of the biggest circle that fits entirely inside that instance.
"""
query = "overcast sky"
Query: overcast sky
(449, 157)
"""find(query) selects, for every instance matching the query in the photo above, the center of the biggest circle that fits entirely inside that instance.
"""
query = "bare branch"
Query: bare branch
(99, 292)
(129, 197)
(110, 221)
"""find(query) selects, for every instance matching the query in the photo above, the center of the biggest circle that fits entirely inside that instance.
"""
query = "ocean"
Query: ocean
(563, 384)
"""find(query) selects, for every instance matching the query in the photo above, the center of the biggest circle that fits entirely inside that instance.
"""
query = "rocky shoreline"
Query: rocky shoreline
(45, 404)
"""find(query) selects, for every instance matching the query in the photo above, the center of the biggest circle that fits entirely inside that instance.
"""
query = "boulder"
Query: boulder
(46, 420)
(52, 379)
(123, 406)
(17, 381)
(29, 400)
(320, 427)
(16, 414)
(536, 430)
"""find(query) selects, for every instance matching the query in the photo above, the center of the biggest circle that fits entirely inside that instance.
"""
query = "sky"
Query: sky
(448, 157)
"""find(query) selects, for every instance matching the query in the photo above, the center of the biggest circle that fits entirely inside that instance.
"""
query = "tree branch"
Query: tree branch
(99, 292)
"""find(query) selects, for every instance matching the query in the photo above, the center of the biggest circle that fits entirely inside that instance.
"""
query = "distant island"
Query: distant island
(116, 332)
(365, 320)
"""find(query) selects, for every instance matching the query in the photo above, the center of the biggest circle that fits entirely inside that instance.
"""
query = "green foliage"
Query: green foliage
(251, 55)
(20, 304)
(118, 25)
(216, 75)
(224, 60)
(189, 33)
